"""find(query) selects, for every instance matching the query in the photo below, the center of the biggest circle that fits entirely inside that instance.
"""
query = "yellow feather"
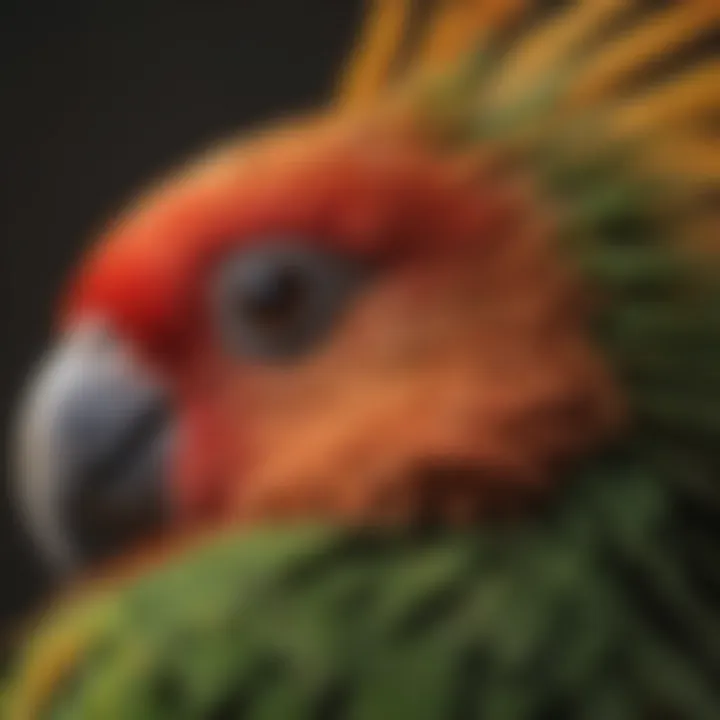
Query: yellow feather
(683, 100)
(658, 36)
(52, 658)
(549, 45)
(369, 69)
(444, 35)
(459, 26)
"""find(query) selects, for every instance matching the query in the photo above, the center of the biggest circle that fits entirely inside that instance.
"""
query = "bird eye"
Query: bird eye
(279, 300)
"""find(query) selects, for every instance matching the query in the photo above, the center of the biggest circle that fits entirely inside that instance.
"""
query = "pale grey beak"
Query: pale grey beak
(92, 451)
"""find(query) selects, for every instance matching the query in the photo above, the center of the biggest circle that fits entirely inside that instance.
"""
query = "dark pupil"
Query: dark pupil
(275, 297)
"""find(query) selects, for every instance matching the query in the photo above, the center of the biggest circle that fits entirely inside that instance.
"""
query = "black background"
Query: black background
(96, 97)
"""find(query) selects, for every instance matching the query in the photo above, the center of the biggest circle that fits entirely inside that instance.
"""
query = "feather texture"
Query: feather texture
(604, 603)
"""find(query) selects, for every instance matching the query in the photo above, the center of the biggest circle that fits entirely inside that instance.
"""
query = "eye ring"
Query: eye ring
(277, 300)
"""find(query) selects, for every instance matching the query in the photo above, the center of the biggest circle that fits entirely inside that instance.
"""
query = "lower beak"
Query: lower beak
(92, 451)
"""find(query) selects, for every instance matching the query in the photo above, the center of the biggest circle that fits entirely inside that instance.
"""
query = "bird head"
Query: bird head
(427, 306)
(341, 319)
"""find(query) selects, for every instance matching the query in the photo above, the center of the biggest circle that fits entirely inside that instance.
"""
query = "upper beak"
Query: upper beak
(92, 451)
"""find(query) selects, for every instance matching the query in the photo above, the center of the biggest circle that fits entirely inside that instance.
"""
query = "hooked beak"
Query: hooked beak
(92, 451)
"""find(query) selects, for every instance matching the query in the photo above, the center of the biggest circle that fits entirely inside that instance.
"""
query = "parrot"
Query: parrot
(406, 407)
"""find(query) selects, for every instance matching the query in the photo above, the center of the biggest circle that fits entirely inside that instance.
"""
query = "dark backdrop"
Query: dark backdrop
(95, 98)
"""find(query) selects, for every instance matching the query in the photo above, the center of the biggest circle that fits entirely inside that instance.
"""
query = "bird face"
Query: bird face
(341, 320)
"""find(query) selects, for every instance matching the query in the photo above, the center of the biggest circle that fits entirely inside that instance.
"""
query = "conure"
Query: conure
(408, 408)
